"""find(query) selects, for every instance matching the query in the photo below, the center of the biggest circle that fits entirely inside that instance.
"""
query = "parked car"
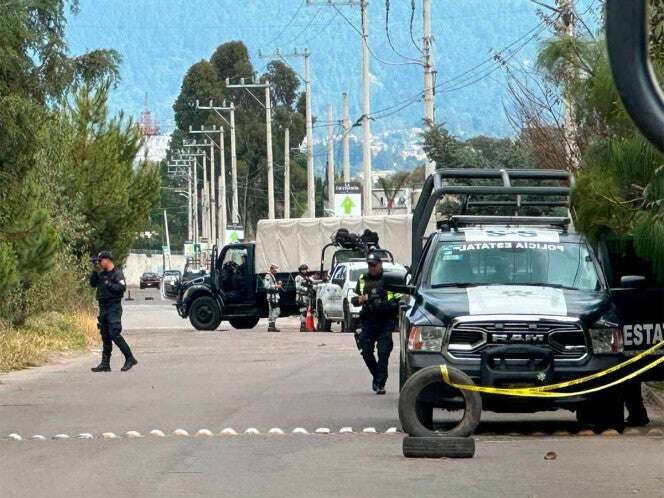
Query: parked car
(170, 282)
(149, 279)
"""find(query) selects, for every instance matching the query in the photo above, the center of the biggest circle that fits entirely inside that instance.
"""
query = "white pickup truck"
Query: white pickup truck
(333, 298)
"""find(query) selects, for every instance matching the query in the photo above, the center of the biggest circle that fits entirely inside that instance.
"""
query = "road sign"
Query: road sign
(234, 234)
(348, 199)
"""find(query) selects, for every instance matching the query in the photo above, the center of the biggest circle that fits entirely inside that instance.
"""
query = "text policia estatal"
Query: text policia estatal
(479, 246)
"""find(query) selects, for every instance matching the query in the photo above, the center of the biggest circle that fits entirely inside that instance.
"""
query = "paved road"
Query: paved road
(253, 380)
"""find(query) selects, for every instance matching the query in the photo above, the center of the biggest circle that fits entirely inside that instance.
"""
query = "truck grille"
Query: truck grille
(467, 340)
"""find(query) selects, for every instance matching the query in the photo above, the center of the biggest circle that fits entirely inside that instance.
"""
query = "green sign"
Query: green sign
(348, 206)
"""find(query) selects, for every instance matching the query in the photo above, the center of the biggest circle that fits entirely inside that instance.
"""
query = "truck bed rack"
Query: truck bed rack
(438, 185)
(456, 222)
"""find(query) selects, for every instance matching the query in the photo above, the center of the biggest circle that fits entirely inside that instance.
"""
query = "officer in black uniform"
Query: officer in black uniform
(110, 284)
(380, 309)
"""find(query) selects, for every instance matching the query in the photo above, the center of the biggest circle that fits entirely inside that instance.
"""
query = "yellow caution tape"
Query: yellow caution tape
(543, 391)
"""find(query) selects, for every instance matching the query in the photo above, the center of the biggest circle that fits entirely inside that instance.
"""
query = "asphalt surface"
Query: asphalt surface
(252, 380)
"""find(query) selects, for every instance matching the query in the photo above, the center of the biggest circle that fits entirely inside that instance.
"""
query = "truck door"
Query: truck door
(235, 275)
(639, 305)
(335, 292)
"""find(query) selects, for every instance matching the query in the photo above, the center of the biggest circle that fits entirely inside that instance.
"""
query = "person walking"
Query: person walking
(272, 287)
(110, 285)
(380, 309)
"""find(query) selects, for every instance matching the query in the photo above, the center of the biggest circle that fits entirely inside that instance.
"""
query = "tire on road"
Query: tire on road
(204, 313)
(244, 323)
(438, 447)
(417, 422)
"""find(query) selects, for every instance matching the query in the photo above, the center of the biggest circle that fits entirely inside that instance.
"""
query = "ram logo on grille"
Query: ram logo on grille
(518, 338)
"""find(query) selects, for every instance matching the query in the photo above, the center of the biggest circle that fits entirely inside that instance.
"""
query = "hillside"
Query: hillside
(160, 39)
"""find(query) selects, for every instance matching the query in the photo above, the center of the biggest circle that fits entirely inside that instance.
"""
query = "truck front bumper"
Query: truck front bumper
(442, 395)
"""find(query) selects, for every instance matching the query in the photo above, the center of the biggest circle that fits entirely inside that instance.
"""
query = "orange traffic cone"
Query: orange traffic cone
(309, 321)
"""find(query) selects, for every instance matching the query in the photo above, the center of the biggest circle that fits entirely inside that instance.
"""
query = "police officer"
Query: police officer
(272, 287)
(304, 286)
(110, 284)
(380, 309)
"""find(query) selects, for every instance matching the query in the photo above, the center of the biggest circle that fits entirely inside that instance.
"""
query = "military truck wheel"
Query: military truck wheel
(323, 324)
(438, 447)
(205, 314)
(244, 323)
(416, 417)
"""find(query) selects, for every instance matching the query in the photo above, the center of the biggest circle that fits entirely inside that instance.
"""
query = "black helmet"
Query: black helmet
(303, 267)
(373, 258)
(105, 255)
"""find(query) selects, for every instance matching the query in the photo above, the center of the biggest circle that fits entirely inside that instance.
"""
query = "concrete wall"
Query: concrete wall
(137, 264)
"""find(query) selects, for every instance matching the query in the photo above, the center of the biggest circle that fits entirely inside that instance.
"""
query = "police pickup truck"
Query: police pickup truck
(334, 298)
(519, 301)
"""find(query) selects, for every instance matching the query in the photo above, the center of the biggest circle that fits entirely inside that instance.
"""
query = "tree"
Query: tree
(117, 196)
(201, 83)
(620, 186)
(391, 187)
(35, 73)
(284, 83)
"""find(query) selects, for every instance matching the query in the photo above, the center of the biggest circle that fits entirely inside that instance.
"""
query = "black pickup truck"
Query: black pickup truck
(232, 291)
(519, 301)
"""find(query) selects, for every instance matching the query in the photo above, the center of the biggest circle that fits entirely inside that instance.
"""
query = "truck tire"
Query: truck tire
(323, 324)
(244, 323)
(204, 313)
(416, 417)
(349, 325)
(438, 447)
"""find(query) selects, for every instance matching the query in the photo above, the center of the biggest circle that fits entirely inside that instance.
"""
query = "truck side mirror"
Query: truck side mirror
(632, 281)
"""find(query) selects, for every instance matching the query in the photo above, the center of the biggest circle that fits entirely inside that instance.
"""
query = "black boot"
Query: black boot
(129, 362)
(104, 366)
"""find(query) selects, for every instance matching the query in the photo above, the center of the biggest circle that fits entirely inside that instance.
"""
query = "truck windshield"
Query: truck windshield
(566, 265)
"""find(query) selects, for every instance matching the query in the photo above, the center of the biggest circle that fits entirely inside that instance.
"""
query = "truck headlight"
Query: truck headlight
(606, 338)
(426, 338)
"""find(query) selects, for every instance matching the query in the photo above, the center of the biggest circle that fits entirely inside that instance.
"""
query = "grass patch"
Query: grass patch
(31, 344)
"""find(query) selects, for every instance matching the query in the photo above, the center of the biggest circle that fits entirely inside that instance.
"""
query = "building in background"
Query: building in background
(155, 145)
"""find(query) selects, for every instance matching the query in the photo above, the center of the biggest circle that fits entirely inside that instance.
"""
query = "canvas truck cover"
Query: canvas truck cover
(289, 243)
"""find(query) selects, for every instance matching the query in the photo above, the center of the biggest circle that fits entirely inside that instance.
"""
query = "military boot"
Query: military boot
(129, 362)
(104, 366)
(272, 327)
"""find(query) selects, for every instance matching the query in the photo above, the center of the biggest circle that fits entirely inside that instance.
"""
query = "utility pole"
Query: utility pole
(567, 27)
(429, 99)
(366, 95)
(168, 241)
(346, 138)
(311, 183)
(366, 111)
(181, 168)
(210, 192)
(196, 218)
(221, 195)
(330, 158)
(287, 173)
(235, 216)
(268, 122)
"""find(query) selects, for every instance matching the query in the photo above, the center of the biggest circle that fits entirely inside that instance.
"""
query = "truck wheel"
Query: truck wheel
(205, 314)
(244, 323)
(323, 325)
(349, 324)
(416, 417)
(438, 447)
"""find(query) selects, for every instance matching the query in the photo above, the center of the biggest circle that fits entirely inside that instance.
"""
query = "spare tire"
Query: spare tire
(438, 447)
(410, 416)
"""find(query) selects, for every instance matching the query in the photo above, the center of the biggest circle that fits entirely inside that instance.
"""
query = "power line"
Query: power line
(288, 24)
